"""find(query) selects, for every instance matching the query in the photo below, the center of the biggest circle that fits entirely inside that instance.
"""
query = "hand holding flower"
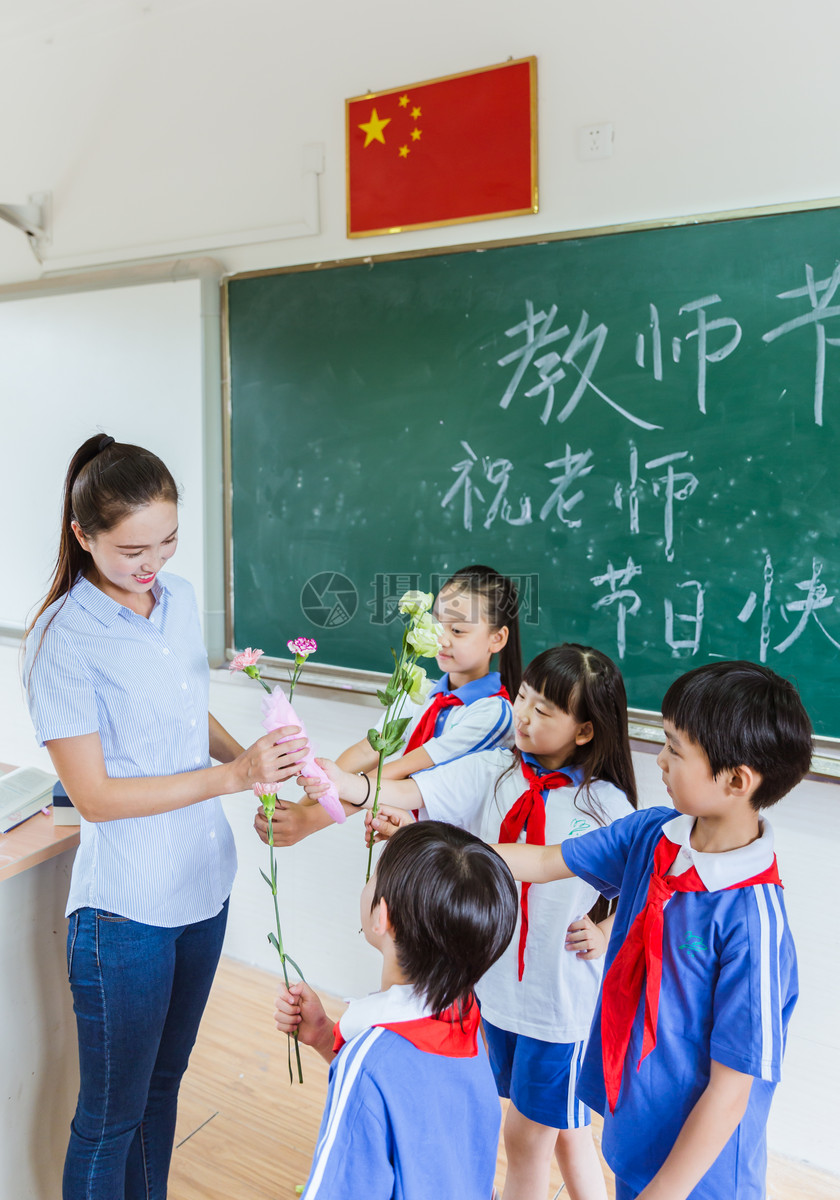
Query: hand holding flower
(298, 1009)
(386, 823)
(290, 824)
(270, 759)
(278, 711)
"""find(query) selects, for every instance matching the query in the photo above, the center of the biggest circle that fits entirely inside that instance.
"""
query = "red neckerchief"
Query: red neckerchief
(425, 728)
(638, 965)
(528, 812)
(444, 1034)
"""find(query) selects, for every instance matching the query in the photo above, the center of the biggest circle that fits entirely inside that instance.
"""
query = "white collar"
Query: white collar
(399, 1003)
(727, 868)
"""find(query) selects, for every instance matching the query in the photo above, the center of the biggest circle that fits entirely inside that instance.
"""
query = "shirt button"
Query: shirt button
(213, 833)
(197, 761)
(183, 687)
(192, 723)
(166, 652)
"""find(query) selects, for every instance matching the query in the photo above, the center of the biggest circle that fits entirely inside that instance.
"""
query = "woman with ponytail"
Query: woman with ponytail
(117, 682)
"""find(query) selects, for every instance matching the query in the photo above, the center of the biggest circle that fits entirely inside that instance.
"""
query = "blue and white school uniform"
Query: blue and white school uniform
(142, 684)
(729, 984)
(554, 1000)
(411, 1108)
(482, 721)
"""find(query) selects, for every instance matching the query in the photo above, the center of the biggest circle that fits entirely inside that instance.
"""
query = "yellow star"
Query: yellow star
(415, 112)
(404, 151)
(415, 134)
(403, 101)
(374, 127)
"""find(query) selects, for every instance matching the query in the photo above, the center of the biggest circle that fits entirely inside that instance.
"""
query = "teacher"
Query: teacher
(117, 681)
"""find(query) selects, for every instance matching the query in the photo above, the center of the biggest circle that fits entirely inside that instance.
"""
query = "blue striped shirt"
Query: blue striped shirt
(143, 686)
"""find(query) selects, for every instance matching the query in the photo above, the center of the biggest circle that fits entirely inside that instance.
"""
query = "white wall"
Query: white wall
(168, 120)
(127, 361)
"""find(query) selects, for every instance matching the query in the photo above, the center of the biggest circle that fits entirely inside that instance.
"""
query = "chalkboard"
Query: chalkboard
(642, 427)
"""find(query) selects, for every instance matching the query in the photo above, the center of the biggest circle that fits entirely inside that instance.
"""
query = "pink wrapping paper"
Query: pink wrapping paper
(279, 712)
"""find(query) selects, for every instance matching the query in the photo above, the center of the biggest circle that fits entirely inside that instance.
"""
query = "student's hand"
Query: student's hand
(297, 1009)
(586, 939)
(269, 760)
(349, 787)
(386, 823)
(292, 822)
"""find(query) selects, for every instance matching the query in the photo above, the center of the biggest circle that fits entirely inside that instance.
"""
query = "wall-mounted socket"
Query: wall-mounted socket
(595, 141)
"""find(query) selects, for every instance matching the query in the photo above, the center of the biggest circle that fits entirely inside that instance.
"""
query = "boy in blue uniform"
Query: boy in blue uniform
(688, 1037)
(412, 1110)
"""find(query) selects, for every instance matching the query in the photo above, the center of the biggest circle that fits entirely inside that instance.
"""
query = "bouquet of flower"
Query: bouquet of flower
(277, 712)
(421, 639)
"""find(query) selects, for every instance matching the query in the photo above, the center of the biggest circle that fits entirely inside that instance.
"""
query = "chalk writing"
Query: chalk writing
(551, 367)
(821, 310)
(627, 601)
(673, 485)
(816, 598)
(574, 467)
(701, 333)
(693, 620)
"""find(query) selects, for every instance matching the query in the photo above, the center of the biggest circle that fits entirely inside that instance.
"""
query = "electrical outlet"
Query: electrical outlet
(595, 141)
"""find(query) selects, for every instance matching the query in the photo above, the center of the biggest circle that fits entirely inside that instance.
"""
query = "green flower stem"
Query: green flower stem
(400, 703)
(281, 952)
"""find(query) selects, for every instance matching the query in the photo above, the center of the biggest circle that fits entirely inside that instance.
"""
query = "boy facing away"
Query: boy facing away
(412, 1110)
(700, 974)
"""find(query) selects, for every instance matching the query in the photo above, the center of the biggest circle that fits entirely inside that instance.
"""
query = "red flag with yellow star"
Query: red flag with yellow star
(463, 148)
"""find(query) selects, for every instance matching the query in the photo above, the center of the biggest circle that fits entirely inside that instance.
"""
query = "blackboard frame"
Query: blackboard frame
(647, 723)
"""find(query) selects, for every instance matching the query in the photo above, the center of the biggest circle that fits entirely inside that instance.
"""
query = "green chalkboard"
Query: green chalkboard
(643, 427)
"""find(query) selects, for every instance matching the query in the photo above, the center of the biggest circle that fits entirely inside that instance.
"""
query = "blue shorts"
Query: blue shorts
(538, 1077)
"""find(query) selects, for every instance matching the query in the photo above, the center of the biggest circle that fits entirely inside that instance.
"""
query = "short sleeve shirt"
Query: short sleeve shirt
(94, 666)
(555, 998)
(729, 984)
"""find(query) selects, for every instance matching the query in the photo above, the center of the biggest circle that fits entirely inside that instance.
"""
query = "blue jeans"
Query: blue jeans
(139, 992)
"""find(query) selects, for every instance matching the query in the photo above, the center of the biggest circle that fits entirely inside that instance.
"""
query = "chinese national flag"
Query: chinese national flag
(456, 149)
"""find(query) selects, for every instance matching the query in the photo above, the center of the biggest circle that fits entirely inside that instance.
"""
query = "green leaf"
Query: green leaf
(265, 877)
(376, 740)
(273, 939)
(301, 975)
(395, 729)
(392, 746)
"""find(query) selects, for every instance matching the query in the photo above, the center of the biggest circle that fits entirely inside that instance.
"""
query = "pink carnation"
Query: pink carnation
(266, 789)
(245, 658)
(303, 646)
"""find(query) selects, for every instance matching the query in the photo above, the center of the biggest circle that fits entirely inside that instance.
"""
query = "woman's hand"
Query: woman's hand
(269, 760)
(291, 822)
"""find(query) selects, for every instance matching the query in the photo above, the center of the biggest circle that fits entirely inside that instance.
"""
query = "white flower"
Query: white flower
(420, 685)
(414, 604)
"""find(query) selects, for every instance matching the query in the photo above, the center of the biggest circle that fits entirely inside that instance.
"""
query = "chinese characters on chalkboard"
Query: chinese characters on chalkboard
(484, 491)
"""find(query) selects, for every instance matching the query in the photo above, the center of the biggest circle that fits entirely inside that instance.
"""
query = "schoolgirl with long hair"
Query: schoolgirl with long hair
(570, 771)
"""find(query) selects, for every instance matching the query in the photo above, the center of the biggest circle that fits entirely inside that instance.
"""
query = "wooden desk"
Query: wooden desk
(33, 841)
(40, 1071)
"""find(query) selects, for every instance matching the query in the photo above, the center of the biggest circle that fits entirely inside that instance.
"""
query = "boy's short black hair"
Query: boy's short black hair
(452, 904)
(741, 713)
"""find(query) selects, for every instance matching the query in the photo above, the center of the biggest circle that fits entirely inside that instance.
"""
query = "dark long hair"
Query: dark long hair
(501, 607)
(452, 904)
(105, 482)
(586, 684)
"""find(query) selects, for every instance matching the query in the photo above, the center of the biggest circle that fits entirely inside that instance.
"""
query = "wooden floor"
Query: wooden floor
(245, 1134)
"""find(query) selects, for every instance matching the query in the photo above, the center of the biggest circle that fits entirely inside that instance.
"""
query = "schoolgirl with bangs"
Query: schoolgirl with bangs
(570, 771)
